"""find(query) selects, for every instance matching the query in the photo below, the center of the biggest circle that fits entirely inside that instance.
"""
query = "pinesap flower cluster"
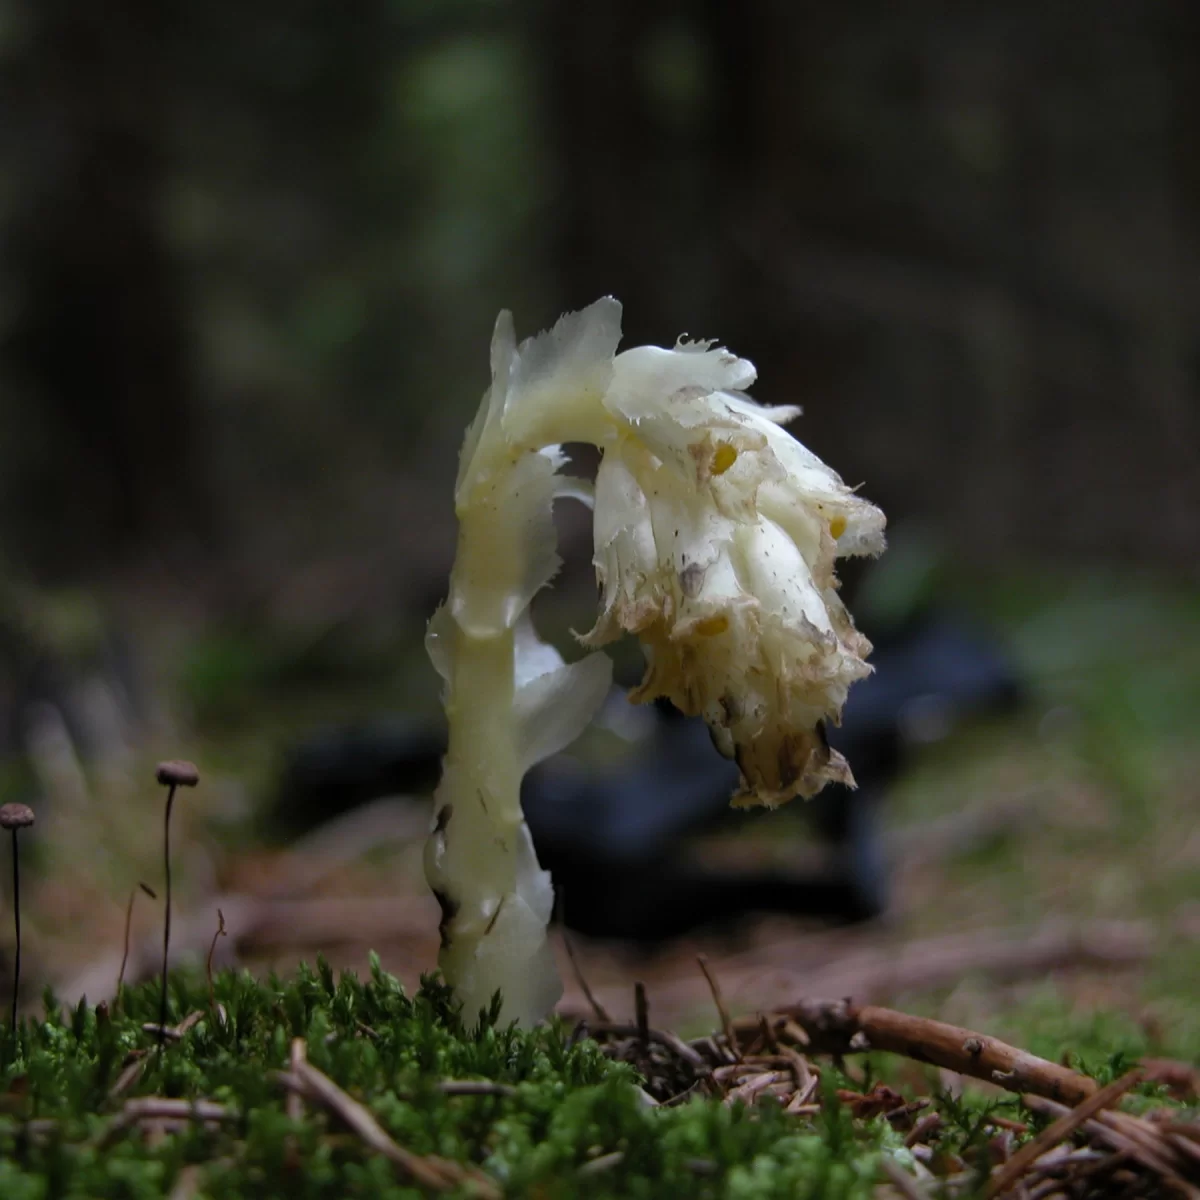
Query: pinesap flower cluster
(716, 536)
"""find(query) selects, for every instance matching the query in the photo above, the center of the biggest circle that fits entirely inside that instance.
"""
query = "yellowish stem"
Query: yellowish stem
(496, 901)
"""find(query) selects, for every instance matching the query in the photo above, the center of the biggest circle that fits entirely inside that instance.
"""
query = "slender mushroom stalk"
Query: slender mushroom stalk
(171, 775)
(16, 817)
(715, 536)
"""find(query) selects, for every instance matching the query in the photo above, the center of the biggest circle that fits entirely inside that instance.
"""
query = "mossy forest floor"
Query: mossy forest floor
(329, 1087)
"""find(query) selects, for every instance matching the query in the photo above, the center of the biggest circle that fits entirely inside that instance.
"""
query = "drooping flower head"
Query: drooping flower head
(716, 536)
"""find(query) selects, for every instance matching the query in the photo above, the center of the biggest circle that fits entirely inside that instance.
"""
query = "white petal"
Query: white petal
(439, 642)
(507, 548)
(626, 556)
(857, 525)
(559, 377)
(778, 576)
(532, 656)
(503, 352)
(647, 377)
(555, 707)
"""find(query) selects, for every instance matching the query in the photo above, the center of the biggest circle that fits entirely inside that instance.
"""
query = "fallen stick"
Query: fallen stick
(718, 1001)
(746, 1092)
(474, 1087)
(1053, 1135)
(166, 1109)
(601, 1013)
(432, 1173)
(174, 1032)
(839, 1027)
(187, 1182)
(663, 1037)
(127, 1078)
(297, 1057)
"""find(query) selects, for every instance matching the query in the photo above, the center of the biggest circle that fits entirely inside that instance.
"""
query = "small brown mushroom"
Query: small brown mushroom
(15, 816)
(177, 773)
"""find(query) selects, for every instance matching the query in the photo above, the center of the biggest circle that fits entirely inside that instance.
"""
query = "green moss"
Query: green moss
(62, 1134)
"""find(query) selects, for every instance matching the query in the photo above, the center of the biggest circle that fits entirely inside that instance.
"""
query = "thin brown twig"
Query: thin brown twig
(1129, 1135)
(1053, 1135)
(641, 1012)
(169, 1108)
(432, 1173)
(164, 1109)
(475, 1087)
(125, 950)
(174, 1032)
(901, 1180)
(125, 944)
(297, 1056)
(294, 1105)
(128, 1077)
(662, 1036)
(759, 1082)
(577, 971)
(719, 1001)
(187, 1182)
(806, 1078)
(605, 1162)
(212, 995)
(1142, 1141)
(929, 1123)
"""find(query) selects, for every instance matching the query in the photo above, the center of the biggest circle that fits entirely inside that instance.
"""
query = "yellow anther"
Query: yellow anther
(837, 526)
(724, 458)
(711, 626)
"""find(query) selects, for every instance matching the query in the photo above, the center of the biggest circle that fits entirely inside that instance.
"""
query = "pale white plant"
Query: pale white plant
(716, 535)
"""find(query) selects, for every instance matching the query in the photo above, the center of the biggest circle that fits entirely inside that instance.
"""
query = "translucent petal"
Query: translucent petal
(649, 378)
(559, 378)
(507, 547)
(777, 574)
(555, 707)
(503, 351)
(439, 642)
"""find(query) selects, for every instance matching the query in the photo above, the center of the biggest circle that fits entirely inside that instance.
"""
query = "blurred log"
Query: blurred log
(822, 965)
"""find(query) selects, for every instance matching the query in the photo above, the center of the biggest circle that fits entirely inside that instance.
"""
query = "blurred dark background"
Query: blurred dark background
(251, 258)
(252, 254)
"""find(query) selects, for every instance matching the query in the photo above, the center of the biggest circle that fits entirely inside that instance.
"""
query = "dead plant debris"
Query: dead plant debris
(1087, 1149)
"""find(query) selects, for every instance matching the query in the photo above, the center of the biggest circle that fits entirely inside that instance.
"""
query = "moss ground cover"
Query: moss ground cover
(71, 1081)
(89, 1106)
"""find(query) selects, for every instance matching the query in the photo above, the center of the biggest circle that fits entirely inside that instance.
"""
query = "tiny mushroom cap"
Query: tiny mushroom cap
(177, 773)
(15, 816)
